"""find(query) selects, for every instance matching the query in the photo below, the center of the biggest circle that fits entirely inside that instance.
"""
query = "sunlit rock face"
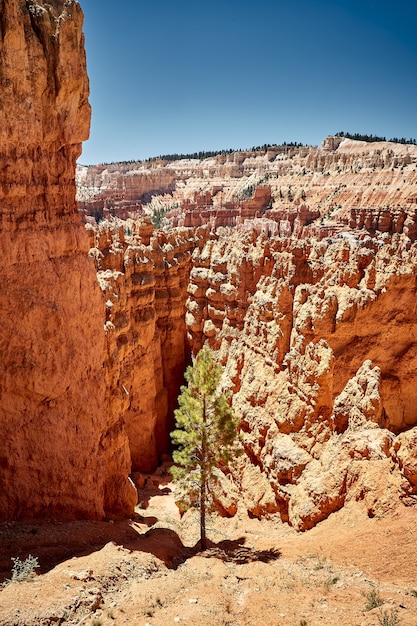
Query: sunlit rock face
(318, 340)
(317, 190)
(62, 452)
(304, 283)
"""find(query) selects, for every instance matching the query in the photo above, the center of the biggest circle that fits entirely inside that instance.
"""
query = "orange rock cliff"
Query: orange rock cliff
(63, 453)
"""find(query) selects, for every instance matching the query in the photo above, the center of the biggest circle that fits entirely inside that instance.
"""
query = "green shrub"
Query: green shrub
(22, 570)
(373, 599)
(329, 582)
(388, 618)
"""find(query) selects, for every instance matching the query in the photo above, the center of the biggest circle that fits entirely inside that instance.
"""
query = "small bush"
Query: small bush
(388, 618)
(321, 563)
(22, 570)
(330, 582)
(373, 599)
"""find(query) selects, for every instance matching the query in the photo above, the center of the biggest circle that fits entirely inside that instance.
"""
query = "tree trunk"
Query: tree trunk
(203, 484)
(203, 538)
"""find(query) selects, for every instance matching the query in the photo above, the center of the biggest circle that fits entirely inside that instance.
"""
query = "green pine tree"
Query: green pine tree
(205, 436)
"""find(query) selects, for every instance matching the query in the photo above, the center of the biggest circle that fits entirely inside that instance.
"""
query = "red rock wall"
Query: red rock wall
(144, 278)
(62, 453)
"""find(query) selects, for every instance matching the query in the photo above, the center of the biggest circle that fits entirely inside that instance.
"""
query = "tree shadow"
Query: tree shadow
(163, 543)
(234, 551)
(166, 545)
(55, 542)
(152, 489)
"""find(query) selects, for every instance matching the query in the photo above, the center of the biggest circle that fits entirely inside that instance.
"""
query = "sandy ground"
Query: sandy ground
(148, 572)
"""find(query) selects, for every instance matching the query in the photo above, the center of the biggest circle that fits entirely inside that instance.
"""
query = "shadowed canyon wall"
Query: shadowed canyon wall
(144, 277)
(62, 452)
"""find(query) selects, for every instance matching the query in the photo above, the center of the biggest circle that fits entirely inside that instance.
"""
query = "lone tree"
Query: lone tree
(205, 436)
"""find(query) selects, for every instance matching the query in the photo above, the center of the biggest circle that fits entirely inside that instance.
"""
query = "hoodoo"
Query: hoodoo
(300, 272)
(62, 454)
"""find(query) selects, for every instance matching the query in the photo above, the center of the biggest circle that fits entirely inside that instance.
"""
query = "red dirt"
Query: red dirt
(147, 571)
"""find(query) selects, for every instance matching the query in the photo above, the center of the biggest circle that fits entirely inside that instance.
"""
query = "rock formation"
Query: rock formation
(297, 265)
(62, 452)
(306, 294)
(318, 339)
(326, 188)
(144, 278)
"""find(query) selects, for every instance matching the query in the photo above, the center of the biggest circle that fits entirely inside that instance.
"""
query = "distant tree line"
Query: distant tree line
(202, 154)
(207, 154)
(371, 138)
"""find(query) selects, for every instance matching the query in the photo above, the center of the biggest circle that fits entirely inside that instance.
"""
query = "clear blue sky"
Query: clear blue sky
(186, 76)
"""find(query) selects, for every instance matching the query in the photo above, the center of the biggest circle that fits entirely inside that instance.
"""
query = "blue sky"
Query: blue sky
(185, 76)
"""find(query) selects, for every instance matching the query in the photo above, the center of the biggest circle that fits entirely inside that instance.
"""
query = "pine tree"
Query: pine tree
(206, 435)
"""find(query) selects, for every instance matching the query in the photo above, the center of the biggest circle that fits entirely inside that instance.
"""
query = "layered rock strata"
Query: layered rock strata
(62, 453)
(318, 340)
(306, 290)
(308, 184)
(144, 277)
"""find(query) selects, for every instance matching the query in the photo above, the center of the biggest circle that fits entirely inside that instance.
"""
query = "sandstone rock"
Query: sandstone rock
(306, 292)
(320, 493)
(144, 281)
(368, 443)
(302, 191)
(360, 401)
(63, 453)
(287, 460)
(257, 492)
(309, 347)
(405, 449)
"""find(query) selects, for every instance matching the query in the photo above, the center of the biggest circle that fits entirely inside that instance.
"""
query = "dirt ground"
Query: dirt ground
(146, 572)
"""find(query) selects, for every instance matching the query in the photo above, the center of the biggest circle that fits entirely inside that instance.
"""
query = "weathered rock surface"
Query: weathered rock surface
(144, 278)
(307, 190)
(297, 265)
(318, 340)
(62, 453)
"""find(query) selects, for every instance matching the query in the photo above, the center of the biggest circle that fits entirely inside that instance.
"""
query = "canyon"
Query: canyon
(297, 265)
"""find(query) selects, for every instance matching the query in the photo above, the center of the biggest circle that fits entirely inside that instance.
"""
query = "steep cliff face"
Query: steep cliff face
(318, 339)
(62, 453)
(144, 278)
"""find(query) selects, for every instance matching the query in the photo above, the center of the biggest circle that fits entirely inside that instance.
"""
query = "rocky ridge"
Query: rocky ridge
(342, 182)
